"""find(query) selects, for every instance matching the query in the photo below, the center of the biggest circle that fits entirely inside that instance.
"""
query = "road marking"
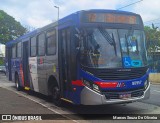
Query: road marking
(156, 91)
(41, 104)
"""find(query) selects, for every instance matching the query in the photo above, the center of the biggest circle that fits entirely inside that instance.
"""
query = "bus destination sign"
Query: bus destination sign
(111, 18)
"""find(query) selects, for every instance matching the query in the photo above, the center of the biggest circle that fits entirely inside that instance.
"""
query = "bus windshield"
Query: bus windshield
(113, 48)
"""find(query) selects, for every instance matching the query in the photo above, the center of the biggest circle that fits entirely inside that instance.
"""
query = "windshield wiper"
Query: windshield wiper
(108, 38)
(127, 44)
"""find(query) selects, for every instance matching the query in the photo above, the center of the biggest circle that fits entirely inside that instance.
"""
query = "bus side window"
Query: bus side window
(14, 51)
(19, 47)
(33, 47)
(51, 42)
(41, 44)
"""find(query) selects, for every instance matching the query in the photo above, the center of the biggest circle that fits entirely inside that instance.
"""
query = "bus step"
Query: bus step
(26, 88)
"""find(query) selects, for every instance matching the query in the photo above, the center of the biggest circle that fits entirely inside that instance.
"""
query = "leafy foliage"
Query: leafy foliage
(1, 61)
(10, 29)
(153, 45)
(152, 38)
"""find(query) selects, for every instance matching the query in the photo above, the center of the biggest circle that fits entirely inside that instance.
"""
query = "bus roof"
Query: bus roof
(11, 43)
(61, 21)
(108, 11)
(97, 11)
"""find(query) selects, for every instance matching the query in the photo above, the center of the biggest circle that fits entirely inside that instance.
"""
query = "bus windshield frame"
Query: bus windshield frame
(104, 47)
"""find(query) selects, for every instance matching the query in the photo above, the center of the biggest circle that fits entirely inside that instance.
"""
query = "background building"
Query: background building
(2, 50)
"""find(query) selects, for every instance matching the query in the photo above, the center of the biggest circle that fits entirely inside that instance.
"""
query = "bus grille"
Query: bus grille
(116, 95)
(120, 74)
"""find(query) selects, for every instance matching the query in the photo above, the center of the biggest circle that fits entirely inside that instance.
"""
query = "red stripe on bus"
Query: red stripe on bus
(78, 83)
(107, 84)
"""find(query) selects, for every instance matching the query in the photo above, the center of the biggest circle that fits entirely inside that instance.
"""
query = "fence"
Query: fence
(154, 62)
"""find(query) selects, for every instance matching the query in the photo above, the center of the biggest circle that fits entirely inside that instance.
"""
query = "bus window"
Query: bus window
(19, 47)
(51, 42)
(14, 51)
(41, 44)
(33, 46)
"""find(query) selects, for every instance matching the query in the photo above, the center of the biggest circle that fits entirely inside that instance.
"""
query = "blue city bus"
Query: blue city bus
(91, 57)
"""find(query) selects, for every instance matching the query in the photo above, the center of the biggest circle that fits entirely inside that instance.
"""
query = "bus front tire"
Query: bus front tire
(56, 96)
(18, 87)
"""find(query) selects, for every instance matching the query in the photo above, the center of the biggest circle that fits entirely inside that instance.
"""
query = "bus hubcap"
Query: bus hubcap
(55, 93)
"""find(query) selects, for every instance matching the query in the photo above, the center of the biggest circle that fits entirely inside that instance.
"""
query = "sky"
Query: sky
(38, 13)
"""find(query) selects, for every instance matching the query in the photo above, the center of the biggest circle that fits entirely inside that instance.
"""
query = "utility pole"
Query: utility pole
(57, 7)
(58, 11)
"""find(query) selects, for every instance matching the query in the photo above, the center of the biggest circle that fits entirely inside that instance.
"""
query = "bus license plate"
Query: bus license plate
(124, 96)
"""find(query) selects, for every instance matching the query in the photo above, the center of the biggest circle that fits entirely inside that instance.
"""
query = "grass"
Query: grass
(154, 78)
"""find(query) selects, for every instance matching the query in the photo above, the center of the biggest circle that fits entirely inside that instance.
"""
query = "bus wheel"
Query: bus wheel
(56, 96)
(18, 87)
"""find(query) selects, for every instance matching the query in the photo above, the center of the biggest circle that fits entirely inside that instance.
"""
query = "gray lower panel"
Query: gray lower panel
(90, 97)
(42, 84)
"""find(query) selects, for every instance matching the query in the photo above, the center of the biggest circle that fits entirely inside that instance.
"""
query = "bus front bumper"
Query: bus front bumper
(90, 97)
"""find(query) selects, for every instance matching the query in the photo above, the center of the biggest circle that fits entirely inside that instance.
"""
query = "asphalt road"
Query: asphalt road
(155, 95)
(36, 103)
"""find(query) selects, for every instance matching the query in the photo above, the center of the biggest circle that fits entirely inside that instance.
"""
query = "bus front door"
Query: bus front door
(65, 62)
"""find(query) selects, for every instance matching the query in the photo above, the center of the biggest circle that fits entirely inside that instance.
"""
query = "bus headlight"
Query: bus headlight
(87, 83)
(96, 88)
(91, 85)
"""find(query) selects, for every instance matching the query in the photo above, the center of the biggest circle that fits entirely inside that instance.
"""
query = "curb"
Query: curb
(155, 83)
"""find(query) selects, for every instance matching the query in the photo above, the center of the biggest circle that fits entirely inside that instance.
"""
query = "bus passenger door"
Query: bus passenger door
(65, 62)
(25, 64)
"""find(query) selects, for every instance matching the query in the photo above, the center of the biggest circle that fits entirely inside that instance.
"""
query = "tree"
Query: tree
(153, 44)
(10, 29)
(152, 38)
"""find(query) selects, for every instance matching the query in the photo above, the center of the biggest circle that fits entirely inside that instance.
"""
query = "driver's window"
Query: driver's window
(132, 43)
